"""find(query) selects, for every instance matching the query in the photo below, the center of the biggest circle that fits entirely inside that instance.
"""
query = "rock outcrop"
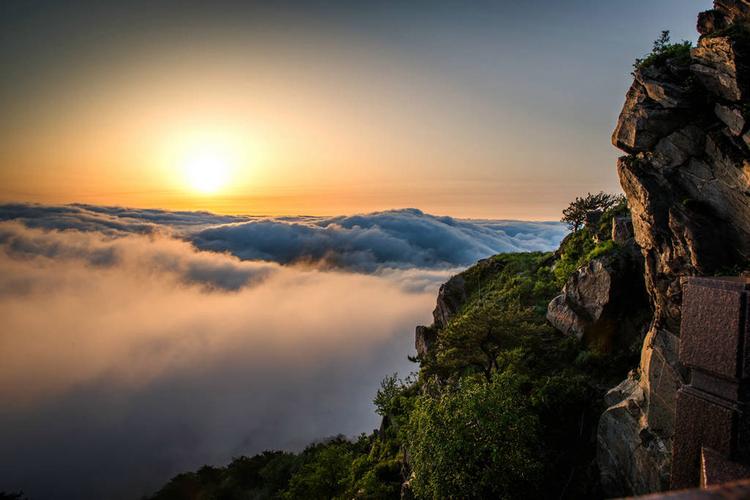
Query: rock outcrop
(687, 180)
(604, 303)
(451, 297)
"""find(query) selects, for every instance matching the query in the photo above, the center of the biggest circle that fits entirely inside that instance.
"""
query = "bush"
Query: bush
(478, 441)
(664, 50)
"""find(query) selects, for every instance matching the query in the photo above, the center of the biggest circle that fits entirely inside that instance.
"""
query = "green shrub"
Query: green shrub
(664, 50)
(480, 440)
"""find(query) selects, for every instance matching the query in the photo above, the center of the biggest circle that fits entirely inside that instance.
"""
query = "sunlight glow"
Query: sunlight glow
(207, 169)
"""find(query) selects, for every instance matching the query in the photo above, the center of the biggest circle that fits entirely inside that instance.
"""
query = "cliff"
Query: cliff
(520, 391)
(684, 127)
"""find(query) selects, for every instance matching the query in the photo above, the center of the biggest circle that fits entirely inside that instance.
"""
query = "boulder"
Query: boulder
(602, 303)
(562, 316)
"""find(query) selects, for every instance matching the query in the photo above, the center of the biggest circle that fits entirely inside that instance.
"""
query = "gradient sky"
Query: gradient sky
(481, 109)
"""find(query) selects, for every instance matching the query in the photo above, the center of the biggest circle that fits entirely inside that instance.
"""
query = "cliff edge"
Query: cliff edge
(686, 175)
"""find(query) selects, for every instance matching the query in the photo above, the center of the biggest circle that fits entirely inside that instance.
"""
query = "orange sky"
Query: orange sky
(315, 114)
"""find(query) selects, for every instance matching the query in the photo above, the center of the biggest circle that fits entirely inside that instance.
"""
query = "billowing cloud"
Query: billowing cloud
(137, 344)
(366, 243)
(123, 370)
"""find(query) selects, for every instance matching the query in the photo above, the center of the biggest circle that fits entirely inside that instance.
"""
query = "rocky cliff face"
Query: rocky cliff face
(604, 302)
(687, 179)
(451, 296)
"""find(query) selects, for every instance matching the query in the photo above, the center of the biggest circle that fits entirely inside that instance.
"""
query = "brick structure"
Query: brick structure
(711, 440)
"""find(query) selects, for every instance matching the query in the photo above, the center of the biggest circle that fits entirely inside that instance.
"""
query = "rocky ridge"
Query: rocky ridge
(684, 127)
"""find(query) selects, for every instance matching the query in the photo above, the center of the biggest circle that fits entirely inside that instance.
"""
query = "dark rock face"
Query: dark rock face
(451, 296)
(710, 21)
(602, 303)
(733, 11)
(688, 186)
(424, 339)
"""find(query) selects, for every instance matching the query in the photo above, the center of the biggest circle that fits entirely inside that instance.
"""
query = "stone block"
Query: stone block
(712, 330)
(702, 422)
(716, 469)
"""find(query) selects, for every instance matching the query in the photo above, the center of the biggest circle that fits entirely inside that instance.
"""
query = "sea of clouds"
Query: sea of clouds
(140, 343)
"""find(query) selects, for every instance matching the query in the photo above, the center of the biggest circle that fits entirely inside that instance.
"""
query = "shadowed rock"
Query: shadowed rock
(603, 303)
(451, 296)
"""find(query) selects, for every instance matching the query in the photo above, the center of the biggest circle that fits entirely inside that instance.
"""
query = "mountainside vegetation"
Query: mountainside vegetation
(502, 405)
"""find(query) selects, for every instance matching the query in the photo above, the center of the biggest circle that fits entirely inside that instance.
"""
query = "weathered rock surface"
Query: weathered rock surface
(602, 303)
(424, 339)
(733, 11)
(451, 296)
(715, 65)
(622, 230)
(688, 187)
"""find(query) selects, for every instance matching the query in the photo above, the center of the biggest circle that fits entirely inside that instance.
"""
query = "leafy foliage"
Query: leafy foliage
(479, 440)
(664, 50)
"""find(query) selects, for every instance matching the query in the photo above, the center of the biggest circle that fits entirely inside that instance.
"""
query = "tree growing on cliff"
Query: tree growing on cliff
(662, 50)
(581, 209)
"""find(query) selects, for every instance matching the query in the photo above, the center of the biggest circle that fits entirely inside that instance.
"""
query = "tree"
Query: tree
(473, 341)
(581, 209)
(324, 472)
(662, 50)
(479, 440)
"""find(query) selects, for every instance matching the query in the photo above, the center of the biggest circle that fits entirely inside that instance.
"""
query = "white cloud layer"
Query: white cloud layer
(131, 352)
(366, 243)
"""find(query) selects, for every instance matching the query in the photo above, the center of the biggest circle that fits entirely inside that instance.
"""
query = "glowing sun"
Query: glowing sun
(207, 170)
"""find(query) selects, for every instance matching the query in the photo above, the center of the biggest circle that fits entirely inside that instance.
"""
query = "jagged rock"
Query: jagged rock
(644, 120)
(601, 303)
(451, 296)
(665, 87)
(711, 21)
(688, 190)
(624, 451)
(622, 229)
(424, 339)
(676, 148)
(715, 65)
(733, 10)
(732, 118)
(622, 391)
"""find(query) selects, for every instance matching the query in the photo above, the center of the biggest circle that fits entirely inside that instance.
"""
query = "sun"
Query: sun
(207, 169)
